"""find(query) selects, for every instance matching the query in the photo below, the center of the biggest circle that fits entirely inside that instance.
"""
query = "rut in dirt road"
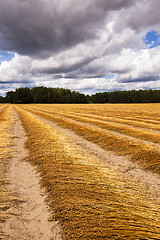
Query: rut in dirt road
(30, 215)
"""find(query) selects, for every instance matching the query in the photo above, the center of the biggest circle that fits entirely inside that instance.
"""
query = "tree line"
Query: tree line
(61, 95)
(44, 95)
(131, 96)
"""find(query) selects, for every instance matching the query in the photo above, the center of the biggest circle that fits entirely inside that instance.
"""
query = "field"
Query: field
(99, 164)
(125, 129)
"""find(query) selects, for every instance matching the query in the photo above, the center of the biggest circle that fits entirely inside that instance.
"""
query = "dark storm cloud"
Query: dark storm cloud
(79, 44)
(144, 13)
(63, 68)
(39, 27)
(83, 76)
(15, 81)
(86, 72)
(120, 71)
(141, 79)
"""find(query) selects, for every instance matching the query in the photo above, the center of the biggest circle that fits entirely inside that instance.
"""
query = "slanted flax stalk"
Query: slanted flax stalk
(89, 201)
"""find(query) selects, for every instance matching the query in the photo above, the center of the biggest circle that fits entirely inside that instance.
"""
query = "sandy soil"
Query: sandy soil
(148, 181)
(30, 214)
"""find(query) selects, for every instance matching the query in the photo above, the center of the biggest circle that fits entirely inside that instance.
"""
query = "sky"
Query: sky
(85, 45)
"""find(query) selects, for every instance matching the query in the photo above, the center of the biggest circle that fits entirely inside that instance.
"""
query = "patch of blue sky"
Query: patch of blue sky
(110, 76)
(6, 56)
(152, 39)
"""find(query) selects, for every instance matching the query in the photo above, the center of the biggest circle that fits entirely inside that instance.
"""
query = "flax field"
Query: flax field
(131, 130)
(90, 199)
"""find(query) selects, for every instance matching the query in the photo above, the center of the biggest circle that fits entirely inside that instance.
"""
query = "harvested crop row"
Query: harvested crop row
(2, 106)
(129, 120)
(143, 134)
(5, 141)
(139, 133)
(89, 201)
(147, 156)
(149, 124)
(139, 112)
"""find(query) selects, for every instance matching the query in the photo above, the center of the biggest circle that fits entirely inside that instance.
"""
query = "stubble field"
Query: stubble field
(99, 164)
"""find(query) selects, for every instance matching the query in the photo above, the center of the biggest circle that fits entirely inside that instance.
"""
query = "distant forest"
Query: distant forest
(60, 95)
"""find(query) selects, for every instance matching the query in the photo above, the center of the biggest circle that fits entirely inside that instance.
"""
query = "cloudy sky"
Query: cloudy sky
(84, 45)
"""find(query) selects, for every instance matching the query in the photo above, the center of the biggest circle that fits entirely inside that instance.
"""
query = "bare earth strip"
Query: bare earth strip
(30, 214)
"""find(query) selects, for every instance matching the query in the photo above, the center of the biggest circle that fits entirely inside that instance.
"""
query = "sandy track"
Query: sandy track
(30, 214)
(148, 181)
